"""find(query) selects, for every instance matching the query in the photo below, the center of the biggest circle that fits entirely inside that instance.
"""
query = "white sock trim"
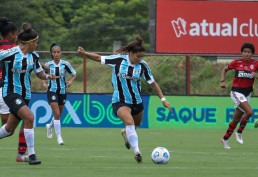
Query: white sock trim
(3, 132)
(29, 136)
(132, 137)
(57, 126)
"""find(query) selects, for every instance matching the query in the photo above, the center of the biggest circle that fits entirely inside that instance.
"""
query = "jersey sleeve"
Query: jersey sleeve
(111, 60)
(37, 66)
(70, 69)
(7, 53)
(147, 74)
(232, 64)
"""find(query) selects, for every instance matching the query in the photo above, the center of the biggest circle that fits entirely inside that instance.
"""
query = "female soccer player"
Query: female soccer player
(19, 62)
(241, 91)
(56, 89)
(9, 31)
(128, 68)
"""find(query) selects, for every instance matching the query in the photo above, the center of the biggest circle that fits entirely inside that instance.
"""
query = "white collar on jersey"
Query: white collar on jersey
(23, 55)
(57, 64)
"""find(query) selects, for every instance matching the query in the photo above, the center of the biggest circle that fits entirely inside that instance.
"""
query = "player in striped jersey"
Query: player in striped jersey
(19, 62)
(128, 68)
(241, 91)
(56, 89)
(9, 31)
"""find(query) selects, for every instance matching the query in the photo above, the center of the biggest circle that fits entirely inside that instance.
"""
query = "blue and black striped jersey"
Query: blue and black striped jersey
(18, 68)
(126, 78)
(59, 70)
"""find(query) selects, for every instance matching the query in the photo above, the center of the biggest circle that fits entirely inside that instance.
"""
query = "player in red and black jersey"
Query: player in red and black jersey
(8, 32)
(241, 91)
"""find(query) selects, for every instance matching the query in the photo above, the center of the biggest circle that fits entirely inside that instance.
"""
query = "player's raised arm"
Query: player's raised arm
(92, 56)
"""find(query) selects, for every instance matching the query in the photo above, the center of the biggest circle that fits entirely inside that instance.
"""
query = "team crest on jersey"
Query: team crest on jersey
(18, 101)
(252, 66)
(64, 101)
(241, 98)
(53, 97)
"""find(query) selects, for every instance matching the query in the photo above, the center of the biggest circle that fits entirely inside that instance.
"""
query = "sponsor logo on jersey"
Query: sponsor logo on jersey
(243, 74)
(127, 77)
(20, 70)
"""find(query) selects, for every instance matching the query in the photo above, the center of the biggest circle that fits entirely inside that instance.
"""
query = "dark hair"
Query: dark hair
(6, 27)
(52, 46)
(134, 46)
(27, 33)
(249, 46)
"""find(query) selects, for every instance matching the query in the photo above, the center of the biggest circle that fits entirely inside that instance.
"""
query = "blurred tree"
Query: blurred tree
(93, 24)
(46, 17)
(98, 23)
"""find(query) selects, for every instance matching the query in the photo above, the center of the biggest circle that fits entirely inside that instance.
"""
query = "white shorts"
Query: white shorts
(238, 98)
(4, 109)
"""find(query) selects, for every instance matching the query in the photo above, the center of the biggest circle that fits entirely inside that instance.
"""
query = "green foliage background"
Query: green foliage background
(94, 24)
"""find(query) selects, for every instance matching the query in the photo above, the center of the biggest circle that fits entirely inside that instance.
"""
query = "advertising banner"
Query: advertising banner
(205, 27)
(196, 112)
(95, 110)
(81, 110)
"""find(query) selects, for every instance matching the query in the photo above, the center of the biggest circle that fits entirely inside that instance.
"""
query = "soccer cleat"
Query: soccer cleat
(225, 143)
(22, 158)
(256, 124)
(239, 138)
(33, 160)
(49, 131)
(127, 144)
(60, 141)
(138, 158)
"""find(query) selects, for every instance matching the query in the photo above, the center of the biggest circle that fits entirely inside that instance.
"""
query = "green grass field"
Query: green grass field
(101, 153)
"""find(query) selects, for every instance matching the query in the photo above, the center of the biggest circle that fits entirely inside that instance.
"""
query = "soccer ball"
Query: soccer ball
(160, 155)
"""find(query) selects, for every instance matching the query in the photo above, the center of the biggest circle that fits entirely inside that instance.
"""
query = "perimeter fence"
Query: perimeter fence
(176, 75)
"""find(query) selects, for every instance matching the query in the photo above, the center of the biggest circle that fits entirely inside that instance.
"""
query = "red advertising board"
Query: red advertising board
(205, 27)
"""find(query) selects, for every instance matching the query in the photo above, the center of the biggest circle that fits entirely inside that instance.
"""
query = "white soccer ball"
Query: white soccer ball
(160, 155)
